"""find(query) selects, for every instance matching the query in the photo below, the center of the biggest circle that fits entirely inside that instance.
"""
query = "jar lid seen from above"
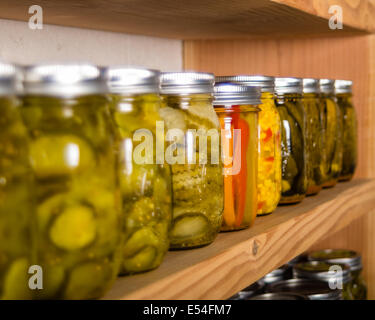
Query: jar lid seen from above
(10, 77)
(283, 273)
(279, 296)
(124, 80)
(288, 86)
(187, 83)
(311, 85)
(64, 80)
(267, 84)
(341, 256)
(343, 86)
(228, 93)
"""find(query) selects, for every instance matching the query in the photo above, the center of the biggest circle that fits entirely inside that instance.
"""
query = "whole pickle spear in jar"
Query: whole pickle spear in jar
(293, 139)
(269, 159)
(78, 222)
(193, 150)
(145, 185)
(236, 106)
(17, 233)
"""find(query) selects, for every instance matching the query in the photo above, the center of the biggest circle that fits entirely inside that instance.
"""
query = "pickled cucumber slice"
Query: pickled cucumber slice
(88, 281)
(74, 228)
(142, 261)
(16, 283)
(53, 278)
(189, 227)
(174, 119)
(57, 155)
(139, 239)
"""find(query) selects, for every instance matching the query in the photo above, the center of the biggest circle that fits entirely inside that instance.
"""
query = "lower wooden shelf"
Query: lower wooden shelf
(238, 259)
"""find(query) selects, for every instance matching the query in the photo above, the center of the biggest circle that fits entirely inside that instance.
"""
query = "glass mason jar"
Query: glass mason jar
(290, 106)
(145, 185)
(77, 196)
(236, 107)
(197, 178)
(333, 126)
(269, 160)
(338, 274)
(344, 96)
(314, 136)
(350, 258)
(17, 246)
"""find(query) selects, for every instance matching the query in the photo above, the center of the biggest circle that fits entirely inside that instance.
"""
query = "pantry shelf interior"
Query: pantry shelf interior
(237, 259)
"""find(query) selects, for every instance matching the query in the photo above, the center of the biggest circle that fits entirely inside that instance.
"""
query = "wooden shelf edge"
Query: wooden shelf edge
(238, 259)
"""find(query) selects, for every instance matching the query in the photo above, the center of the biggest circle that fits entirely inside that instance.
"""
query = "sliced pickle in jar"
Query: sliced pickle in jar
(139, 239)
(174, 119)
(190, 227)
(59, 155)
(53, 280)
(142, 260)
(74, 228)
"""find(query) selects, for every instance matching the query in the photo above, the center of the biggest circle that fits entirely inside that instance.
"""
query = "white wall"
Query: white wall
(21, 45)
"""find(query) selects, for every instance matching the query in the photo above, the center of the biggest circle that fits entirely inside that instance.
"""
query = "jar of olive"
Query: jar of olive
(344, 96)
(337, 276)
(236, 107)
(350, 258)
(314, 136)
(17, 245)
(293, 152)
(269, 159)
(193, 151)
(145, 185)
(333, 130)
(78, 214)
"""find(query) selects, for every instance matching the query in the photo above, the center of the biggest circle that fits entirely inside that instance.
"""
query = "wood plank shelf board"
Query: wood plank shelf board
(237, 259)
(200, 19)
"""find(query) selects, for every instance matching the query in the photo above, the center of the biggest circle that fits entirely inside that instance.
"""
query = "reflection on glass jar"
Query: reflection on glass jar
(236, 106)
(269, 160)
(350, 258)
(333, 127)
(290, 106)
(78, 210)
(145, 185)
(197, 178)
(314, 136)
(344, 97)
(17, 246)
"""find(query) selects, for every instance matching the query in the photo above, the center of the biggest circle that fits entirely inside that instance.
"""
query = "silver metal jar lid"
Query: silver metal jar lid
(311, 85)
(267, 84)
(313, 289)
(319, 270)
(123, 80)
(279, 296)
(250, 291)
(283, 273)
(327, 86)
(343, 86)
(187, 83)
(288, 85)
(9, 79)
(64, 80)
(227, 93)
(340, 256)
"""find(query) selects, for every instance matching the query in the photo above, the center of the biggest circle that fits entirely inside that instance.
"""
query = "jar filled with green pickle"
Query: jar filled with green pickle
(337, 276)
(343, 89)
(17, 245)
(333, 129)
(314, 136)
(236, 107)
(269, 159)
(145, 185)
(193, 151)
(78, 208)
(293, 152)
(350, 258)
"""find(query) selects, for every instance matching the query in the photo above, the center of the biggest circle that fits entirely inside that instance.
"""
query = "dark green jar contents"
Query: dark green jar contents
(294, 171)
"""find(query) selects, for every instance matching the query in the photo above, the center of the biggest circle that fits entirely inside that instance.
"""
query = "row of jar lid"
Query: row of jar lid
(83, 79)
(307, 274)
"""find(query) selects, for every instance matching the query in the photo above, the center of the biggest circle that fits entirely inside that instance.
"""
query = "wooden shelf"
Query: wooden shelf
(197, 19)
(238, 259)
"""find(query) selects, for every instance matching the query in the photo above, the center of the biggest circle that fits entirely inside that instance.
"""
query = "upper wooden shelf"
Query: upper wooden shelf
(237, 259)
(201, 19)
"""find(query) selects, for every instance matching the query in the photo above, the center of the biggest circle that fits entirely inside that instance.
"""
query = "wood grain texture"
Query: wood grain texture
(237, 259)
(194, 19)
